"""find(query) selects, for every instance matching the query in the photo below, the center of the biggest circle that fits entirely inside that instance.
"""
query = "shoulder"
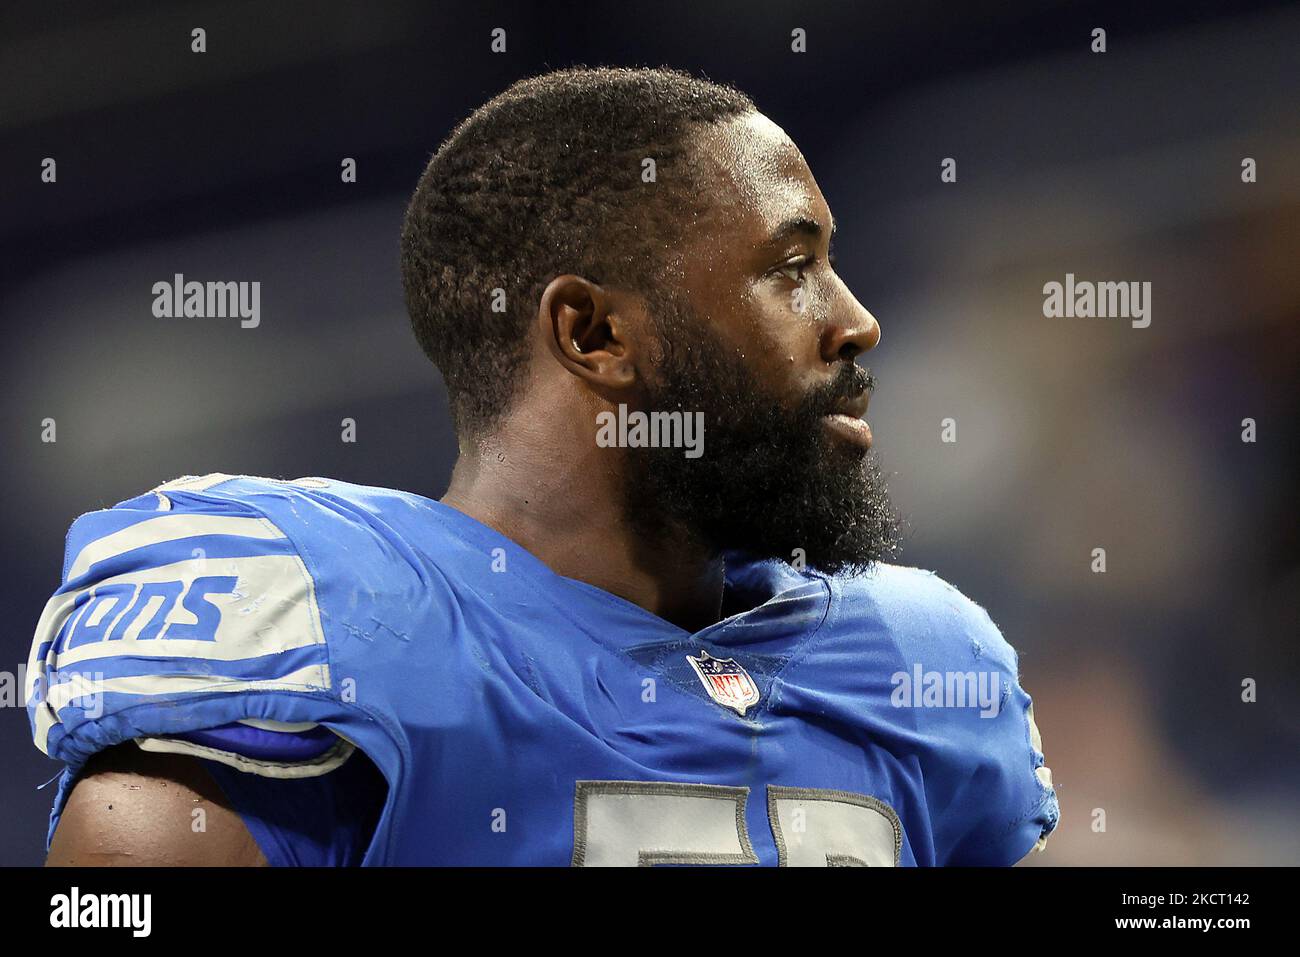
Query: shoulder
(210, 602)
(924, 615)
(955, 689)
(296, 504)
(221, 507)
(325, 530)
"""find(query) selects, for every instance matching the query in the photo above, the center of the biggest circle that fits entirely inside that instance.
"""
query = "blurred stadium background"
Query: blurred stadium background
(1072, 434)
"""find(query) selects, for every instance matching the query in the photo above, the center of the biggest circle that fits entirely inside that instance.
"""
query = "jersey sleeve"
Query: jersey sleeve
(326, 820)
(189, 624)
(988, 788)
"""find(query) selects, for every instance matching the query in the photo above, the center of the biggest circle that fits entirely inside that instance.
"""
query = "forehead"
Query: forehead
(757, 177)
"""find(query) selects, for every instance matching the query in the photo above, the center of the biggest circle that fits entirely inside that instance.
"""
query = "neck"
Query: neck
(570, 513)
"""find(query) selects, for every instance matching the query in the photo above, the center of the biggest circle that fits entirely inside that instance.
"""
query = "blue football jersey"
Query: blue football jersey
(519, 717)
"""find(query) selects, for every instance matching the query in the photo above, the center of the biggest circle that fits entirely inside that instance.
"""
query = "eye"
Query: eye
(793, 269)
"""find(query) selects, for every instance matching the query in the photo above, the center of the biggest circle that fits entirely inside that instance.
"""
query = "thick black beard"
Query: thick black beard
(771, 481)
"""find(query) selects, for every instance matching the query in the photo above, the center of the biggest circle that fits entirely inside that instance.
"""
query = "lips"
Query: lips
(845, 421)
(854, 408)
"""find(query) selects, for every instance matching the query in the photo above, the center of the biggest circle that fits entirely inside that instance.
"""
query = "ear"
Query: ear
(586, 335)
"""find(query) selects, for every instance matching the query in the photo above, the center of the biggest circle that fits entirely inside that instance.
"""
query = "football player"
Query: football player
(652, 620)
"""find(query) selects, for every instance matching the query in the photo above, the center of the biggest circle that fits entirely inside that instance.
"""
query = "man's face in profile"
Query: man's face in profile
(760, 334)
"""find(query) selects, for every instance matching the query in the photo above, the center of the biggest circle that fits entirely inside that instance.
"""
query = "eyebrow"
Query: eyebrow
(797, 226)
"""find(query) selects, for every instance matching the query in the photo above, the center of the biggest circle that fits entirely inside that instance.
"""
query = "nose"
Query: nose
(852, 331)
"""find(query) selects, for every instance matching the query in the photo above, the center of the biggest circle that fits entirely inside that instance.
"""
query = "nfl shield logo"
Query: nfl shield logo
(726, 681)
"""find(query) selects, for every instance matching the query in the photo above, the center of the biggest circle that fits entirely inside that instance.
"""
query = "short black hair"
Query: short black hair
(545, 179)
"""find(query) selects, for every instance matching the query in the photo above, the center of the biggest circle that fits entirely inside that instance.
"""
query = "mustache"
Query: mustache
(850, 382)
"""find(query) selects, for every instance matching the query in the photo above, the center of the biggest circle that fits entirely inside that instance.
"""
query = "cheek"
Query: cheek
(772, 332)
(777, 344)
(783, 328)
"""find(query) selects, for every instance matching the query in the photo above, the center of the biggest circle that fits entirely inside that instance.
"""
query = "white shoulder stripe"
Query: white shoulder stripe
(288, 727)
(195, 483)
(79, 689)
(331, 759)
(45, 719)
(169, 528)
(64, 693)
